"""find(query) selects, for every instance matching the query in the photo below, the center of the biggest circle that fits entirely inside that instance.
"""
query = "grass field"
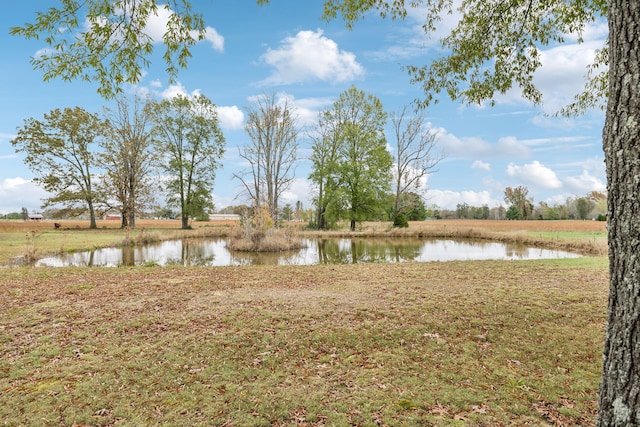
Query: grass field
(479, 343)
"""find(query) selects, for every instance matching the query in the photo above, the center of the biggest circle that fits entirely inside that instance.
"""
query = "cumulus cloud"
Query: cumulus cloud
(585, 183)
(472, 147)
(479, 164)
(16, 193)
(309, 55)
(230, 117)
(536, 174)
(177, 89)
(447, 199)
(157, 26)
(299, 190)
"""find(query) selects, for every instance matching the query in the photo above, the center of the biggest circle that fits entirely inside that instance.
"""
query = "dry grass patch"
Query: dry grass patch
(460, 343)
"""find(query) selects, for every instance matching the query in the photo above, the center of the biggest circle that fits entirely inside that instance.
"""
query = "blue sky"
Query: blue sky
(285, 48)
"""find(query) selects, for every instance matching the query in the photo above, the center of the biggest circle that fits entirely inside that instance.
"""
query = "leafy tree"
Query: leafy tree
(514, 213)
(415, 158)
(272, 154)
(462, 210)
(116, 45)
(188, 133)
(324, 159)
(600, 203)
(24, 213)
(584, 206)
(362, 164)
(287, 213)
(128, 155)
(16, 215)
(58, 150)
(494, 46)
(165, 213)
(517, 198)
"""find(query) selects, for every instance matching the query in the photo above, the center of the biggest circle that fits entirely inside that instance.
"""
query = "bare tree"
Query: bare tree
(272, 154)
(128, 158)
(415, 156)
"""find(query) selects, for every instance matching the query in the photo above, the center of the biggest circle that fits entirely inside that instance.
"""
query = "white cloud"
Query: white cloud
(306, 109)
(16, 193)
(299, 190)
(156, 27)
(447, 199)
(472, 147)
(585, 183)
(178, 89)
(310, 56)
(230, 117)
(216, 40)
(479, 164)
(535, 174)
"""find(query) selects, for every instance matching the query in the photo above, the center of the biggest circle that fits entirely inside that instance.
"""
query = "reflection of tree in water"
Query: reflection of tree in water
(194, 254)
(128, 255)
(255, 258)
(516, 251)
(353, 251)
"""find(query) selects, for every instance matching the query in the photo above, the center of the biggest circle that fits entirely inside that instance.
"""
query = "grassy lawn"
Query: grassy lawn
(479, 343)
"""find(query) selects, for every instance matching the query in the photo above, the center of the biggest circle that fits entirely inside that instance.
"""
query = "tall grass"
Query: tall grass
(247, 238)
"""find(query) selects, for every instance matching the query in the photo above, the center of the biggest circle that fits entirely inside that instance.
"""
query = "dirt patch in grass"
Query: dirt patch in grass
(460, 343)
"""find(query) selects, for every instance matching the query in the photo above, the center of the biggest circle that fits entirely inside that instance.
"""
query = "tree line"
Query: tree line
(124, 157)
(89, 161)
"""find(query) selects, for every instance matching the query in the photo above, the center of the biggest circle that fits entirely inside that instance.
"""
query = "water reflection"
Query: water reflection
(192, 252)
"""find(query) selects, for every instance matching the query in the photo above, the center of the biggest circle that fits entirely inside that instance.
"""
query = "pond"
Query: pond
(196, 252)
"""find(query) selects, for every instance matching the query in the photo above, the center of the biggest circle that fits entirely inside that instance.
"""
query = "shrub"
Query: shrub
(400, 221)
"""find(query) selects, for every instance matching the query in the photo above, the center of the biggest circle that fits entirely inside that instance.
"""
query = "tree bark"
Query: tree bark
(620, 385)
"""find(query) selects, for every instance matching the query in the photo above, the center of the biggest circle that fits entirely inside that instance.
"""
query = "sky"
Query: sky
(286, 49)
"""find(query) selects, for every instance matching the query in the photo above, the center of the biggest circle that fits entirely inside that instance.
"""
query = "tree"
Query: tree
(272, 154)
(620, 384)
(58, 151)
(362, 165)
(493, 47)
(584, 206)
(414, 156)
(188, 133)
(520, 206)
(115, 47)
(324, 159)
(128, 155)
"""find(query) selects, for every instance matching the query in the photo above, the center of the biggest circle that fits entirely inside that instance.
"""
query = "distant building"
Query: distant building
(36, 217)
(224, 217)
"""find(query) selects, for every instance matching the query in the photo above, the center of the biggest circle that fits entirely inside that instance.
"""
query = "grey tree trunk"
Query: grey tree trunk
(620, 384)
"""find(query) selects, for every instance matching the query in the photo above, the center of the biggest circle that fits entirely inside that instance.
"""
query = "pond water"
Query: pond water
(214, 252)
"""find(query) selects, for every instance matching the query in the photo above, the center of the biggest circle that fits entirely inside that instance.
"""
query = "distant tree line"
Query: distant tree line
(519, 206)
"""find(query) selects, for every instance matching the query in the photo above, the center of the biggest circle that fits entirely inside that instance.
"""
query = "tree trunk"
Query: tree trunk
(124, 219)
(92, 215)
(620, 384)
